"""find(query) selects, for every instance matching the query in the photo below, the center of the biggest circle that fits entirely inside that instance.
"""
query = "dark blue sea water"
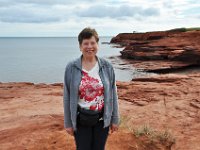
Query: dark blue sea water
(43, 60)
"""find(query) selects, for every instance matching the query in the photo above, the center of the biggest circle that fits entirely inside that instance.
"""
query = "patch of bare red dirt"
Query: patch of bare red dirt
(32, 118)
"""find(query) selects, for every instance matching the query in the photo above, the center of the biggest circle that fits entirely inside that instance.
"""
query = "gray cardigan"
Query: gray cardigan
(72, 79)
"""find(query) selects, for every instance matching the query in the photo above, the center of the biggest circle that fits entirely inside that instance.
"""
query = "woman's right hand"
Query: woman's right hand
(70, 131)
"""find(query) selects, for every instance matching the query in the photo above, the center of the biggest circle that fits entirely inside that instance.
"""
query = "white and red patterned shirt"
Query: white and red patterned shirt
(91, 90)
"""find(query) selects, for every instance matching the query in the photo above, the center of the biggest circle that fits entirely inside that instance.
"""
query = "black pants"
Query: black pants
(91, 138)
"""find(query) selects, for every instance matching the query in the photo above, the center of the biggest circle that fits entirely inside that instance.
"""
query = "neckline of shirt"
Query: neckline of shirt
(91, 69)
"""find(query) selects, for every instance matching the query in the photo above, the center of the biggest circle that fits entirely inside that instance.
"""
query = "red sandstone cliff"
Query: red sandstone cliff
(162, 50)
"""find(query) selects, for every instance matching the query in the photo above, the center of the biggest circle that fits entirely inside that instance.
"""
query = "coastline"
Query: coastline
(32, 113)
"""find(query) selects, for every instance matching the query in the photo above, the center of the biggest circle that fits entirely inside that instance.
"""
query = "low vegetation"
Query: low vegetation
(186, 29)
(148, 137)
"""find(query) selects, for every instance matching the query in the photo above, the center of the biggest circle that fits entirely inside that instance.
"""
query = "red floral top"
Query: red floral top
(91, 91)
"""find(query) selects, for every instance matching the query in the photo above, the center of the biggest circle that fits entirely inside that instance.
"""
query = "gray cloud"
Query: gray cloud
(46, 11)
(22, 17)
(101, 11)
(168, 4)
(41, 2)
(25, 13)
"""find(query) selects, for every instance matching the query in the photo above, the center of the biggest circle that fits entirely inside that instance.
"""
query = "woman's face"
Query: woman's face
(89, 47)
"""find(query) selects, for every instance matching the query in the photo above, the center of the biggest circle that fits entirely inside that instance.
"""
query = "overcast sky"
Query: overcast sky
(108, 17)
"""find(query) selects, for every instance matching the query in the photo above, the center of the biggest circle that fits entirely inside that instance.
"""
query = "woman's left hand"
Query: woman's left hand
(113, 128)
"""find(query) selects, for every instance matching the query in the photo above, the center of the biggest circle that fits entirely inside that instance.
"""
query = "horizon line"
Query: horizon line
(47, 36)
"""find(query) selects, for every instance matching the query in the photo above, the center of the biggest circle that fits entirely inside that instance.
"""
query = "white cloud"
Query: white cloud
(67, 17)
(101, 11)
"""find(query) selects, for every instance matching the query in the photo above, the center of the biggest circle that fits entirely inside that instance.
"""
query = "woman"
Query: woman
(89, 84)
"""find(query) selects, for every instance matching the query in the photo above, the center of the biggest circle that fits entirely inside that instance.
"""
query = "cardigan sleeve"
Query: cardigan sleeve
(66, 98)
(115, 118)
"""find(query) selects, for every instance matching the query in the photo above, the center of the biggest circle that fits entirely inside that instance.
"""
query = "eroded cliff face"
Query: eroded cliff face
(169, 101)
(161, 51)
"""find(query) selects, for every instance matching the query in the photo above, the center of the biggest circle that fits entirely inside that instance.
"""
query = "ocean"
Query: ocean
(43, 59)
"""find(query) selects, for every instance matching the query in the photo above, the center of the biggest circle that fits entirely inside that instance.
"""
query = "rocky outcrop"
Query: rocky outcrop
(32, 114)
(169, 102)
(161, 51)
